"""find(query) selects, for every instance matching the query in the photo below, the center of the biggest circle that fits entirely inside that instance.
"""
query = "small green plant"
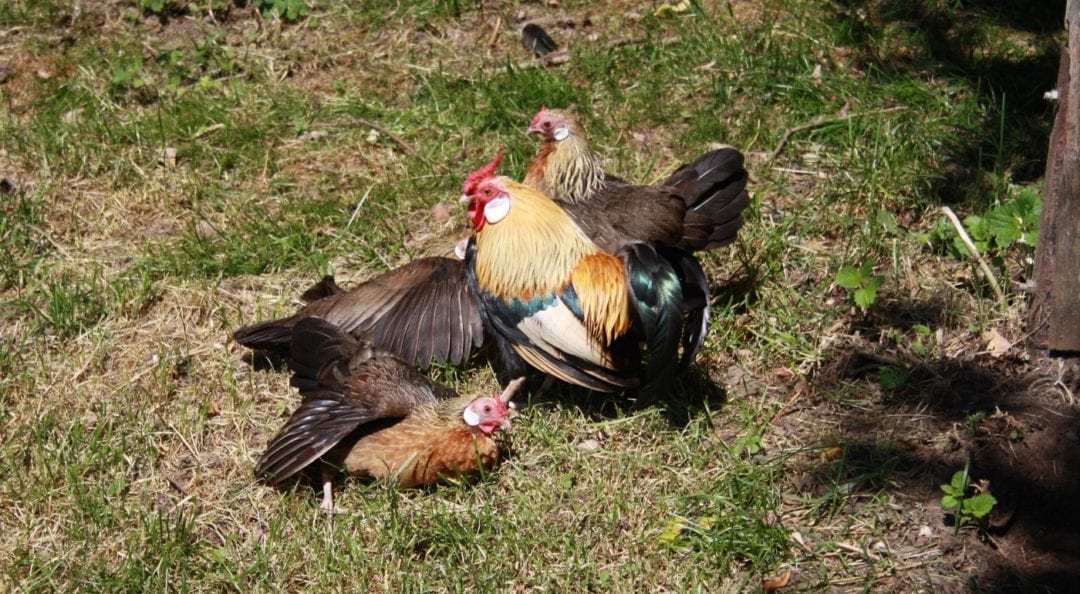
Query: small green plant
(1012, 222)
(923, 335)
(964, 508)
(154, 6)
(288, 10)
(127, 74)
(892, 378)
(862, 282)
(210, 58)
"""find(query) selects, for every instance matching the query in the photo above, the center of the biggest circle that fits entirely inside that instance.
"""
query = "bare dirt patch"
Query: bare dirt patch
(1009, 418)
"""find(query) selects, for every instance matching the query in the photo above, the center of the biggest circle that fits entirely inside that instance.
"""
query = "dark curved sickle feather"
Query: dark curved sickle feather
(695, 303)
(657, 302)
(714, 188)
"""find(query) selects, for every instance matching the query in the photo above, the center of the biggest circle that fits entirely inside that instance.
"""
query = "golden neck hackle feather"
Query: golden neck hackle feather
(538, 250)
(532, 251)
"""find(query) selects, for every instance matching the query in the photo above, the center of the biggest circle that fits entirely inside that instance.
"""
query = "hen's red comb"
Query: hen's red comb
(485, 172)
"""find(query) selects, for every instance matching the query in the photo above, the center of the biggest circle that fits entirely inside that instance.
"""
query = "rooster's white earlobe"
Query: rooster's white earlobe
(497, 209)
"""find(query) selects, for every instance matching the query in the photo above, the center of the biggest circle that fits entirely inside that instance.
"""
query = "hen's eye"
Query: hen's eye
(487, 409)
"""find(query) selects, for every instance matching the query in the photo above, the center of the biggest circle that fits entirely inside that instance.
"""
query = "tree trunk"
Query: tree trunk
(1054, 318)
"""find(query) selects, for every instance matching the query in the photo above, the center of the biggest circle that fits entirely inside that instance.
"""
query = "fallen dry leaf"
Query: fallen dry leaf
(832, 453)
(996, 344)
(777, 582)
(589, 445)
(168, 157)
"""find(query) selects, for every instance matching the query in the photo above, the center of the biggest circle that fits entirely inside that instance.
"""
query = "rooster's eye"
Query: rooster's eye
(547, 125)
(487, 409)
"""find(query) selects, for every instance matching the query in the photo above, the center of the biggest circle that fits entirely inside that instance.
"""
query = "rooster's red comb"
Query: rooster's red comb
(485, 172)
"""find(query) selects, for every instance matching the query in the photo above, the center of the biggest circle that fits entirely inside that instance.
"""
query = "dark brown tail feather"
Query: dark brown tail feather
(271, 335)
(714, 188)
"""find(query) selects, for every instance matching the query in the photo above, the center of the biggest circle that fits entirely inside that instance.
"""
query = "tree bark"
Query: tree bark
(1054, 318)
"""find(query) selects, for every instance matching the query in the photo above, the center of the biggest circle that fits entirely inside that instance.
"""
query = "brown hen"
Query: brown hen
(370, 414)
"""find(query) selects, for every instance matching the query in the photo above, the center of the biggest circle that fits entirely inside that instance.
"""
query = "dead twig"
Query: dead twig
(974, 251)
(404, 146)
(824, 121)
(494, 34)
(801, 388)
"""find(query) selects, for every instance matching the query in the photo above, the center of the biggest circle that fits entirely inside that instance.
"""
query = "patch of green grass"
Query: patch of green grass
(21, 246)
(30, 12)
(734, 524)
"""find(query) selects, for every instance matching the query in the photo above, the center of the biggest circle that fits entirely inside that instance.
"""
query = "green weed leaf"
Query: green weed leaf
(864, 297)
(980, 505)
(849, 277)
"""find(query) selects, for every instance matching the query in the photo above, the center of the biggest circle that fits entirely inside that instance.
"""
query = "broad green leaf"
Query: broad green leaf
(1003, 225)
(980, 505)
(865, 296)
(949, 502)
(951, 490)
(977, 228)
(849, 277)
(892, 378)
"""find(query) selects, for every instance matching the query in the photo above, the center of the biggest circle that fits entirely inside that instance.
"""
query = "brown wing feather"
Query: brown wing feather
(356, 386)
(406, 311)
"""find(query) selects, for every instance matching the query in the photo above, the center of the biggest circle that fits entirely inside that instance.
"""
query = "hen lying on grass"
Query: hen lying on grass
(370, 414)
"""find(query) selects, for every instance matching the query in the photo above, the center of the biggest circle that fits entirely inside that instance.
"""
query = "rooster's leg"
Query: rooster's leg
(549, 380)
(328, 473)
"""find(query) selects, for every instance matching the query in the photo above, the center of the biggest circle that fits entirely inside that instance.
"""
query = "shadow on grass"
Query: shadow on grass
(690, 396)
(1000, 414)
(266, 361)
(951, 40)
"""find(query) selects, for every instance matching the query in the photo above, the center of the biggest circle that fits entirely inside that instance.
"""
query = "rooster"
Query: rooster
(425, 311)
(369, 413)
(698, 207)
(608, 321)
